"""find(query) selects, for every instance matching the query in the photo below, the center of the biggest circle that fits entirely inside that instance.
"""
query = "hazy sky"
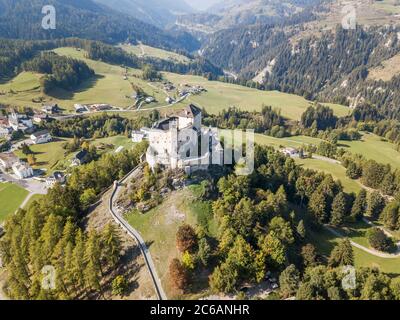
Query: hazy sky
(202, 4)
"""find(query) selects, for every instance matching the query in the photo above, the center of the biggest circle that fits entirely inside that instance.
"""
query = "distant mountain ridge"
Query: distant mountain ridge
(232, 13)
(157, 12)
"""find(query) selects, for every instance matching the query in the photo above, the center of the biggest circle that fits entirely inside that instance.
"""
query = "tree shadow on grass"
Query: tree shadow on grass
(62, 94)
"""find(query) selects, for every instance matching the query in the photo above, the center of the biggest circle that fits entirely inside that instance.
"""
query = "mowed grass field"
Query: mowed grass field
(373, 147)
(48, 155)
(21, 90)
(221, 96)
(147, 51)
(116, 142)
(324, 241)
(389, 6)
(159, 226)
(11, 197)
(337, 171)
(35, 197)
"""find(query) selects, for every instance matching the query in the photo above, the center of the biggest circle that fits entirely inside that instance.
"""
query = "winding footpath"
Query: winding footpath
(376, 253)
(135, 234)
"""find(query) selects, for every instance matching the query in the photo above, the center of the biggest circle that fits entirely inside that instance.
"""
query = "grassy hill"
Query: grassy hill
(49, 156)
(368, 147)
(325, 242)
(159, 227)
(374, 147)
(337, 171)
(142, 50)
(11, 197)
(224, 95)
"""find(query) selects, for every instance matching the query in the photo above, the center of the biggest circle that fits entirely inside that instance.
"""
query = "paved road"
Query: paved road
(32, 185)
(370, 251)
(135, 234)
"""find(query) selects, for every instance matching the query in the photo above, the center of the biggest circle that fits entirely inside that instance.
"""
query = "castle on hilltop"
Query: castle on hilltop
(179, 141)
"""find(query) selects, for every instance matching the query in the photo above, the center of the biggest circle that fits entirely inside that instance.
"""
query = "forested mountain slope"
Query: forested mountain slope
(156, 12)
(22, 19)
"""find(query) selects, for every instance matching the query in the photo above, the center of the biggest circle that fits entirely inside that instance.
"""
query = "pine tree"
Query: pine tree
(111, 245)
(359, 205)
(92, 272)
(342, 254)
(50, 234)
(204, 252)
(375, 205)
(78, 263)
(318, 207)
(338, 209)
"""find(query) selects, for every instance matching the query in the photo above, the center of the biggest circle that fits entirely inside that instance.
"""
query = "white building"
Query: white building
(41, 137)
(5, 128)
(290, 151)
(4, 132)
(50, 108)
(40, 117)
(138, 136)
(179, 141)
(20, 122)
(56, 177)
(22, 170)
(79, 108)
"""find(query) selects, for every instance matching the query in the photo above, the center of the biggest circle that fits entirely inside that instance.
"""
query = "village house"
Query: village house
(138, 136)
(7, 160)
(56, 177)
(179, 141)
(100, 107)
(169, 100)
(41, 137)
(20, 122)
(50, 108)
(79, 108)
(22, 170)
(5, 128)
(4, 132)
(290, 151)
(40, 117)
(80, 158)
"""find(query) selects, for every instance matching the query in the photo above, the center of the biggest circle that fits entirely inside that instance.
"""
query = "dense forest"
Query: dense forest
(266, 223)
(331, 67)
(49, 232)
(98, 126)
(60, 72)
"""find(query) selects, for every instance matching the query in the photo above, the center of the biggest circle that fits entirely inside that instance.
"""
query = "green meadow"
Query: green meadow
(374, 147)
(222, 95)
(48, 155)
(11, 197)
(147, 51)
